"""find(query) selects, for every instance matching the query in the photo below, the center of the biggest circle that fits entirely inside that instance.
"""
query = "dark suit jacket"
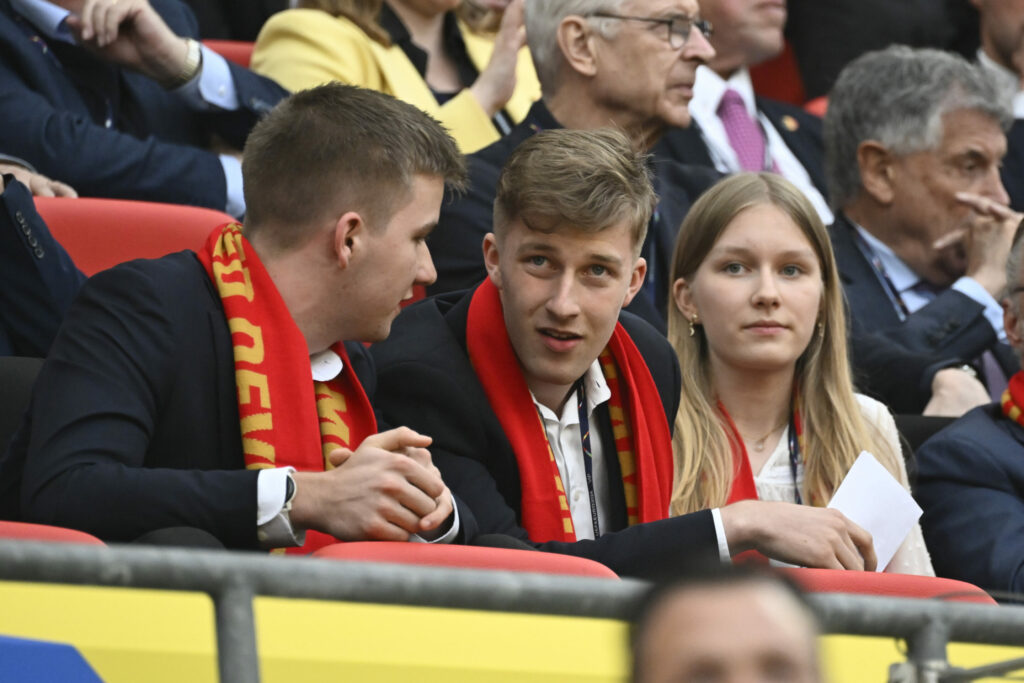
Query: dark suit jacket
(38, 281)
(456, 243)
(133, 424)
(687, 146)
(234, 19)
(971, 486)
(425, 381)
(893, 360)
(1013, 165)
(53, 105)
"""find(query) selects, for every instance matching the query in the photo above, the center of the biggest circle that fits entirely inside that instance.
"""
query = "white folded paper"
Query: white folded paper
(872, 498)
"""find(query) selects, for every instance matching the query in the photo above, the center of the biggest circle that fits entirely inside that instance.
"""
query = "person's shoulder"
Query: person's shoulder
(872, 409)
(175, 278)
(317, 25)
(422, 333)
(649, 341)
(693, 179)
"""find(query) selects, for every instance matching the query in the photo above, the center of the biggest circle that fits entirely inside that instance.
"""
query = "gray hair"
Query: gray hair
(898, 97)
(542, 19)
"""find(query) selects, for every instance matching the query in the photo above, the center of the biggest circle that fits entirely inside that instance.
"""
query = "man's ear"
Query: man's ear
(877, 170)
(349, 238)
(682, 296)
(491, 258)
(636, 280)
(575, 40)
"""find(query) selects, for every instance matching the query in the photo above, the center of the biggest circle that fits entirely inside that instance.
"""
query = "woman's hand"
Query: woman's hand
(495, 85)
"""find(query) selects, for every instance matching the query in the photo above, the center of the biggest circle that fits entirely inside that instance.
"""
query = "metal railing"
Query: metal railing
(233, 579)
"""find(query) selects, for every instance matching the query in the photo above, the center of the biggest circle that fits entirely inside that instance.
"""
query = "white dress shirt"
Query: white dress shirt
(212, 88)
(707, 94)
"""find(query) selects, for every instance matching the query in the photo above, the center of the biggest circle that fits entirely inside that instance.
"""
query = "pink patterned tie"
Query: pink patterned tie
(744, 134)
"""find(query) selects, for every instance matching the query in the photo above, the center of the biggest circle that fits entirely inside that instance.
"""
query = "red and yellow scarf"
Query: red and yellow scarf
(743, 486)
(642, 438)
(1013, 398)
(287, 419)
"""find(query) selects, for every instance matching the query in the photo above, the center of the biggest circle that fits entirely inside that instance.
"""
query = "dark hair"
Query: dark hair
(700, 576)
(336, 148)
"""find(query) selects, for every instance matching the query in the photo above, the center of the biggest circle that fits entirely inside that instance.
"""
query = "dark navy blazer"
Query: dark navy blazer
(971, 486)
(54, 103)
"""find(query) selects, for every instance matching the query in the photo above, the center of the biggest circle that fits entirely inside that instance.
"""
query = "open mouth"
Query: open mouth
(559, 340)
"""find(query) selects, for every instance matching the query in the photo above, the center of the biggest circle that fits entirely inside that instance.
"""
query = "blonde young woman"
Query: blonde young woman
(477, 84)
(768, 409)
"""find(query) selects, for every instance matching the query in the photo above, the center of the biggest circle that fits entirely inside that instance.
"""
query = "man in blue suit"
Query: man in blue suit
(913, 143)
(971, 478)
(117, 99)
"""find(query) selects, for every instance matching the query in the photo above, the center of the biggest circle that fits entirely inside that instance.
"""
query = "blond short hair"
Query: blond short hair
(589, 180)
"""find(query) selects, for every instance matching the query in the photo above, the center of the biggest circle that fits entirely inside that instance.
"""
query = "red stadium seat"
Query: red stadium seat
(237, 51)
(888, 585)
(818, 106)
(469, 557)
(41, 532)
(100, 233)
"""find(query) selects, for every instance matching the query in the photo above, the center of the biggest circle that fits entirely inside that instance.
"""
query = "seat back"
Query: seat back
(42, 532)
(100, 233)
(888, 585)
(237, 51)
(465, 556)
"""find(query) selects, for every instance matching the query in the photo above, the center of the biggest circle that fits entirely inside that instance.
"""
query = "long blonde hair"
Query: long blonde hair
(834, 430)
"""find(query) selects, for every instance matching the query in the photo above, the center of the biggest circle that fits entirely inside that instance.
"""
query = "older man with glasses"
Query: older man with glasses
(626, 64)
(971, 480)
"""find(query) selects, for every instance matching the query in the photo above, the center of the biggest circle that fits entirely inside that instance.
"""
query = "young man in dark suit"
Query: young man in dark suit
(210, 395)
(549, 407)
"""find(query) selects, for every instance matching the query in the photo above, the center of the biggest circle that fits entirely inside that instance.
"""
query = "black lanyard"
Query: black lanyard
(876, 264)
(794, 457)
(588, 464)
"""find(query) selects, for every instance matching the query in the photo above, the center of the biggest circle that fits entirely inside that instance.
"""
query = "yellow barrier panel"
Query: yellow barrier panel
(143, 636)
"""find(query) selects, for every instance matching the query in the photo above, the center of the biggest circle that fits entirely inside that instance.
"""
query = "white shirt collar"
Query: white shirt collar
(597, 393)
(898, 272)
(326, 365)
(710, 87)
(47, 17)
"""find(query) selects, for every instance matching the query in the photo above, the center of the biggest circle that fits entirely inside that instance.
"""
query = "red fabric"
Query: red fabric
(743, 487)
(426, 554)
(1013, 398)
(42, 532)
(237, 51)
(285, 416)
(496, 366)
(890, 585)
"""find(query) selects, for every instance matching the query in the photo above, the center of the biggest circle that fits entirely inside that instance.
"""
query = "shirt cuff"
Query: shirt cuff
(235, 204)
(273, 527)
(213, 87)
(448, 536)
(723, 543)
(970, 287)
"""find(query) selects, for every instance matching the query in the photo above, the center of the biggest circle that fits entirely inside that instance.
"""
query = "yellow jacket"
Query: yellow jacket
(303, 48)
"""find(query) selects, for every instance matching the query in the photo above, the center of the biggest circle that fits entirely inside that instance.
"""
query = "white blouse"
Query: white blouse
(775, 483)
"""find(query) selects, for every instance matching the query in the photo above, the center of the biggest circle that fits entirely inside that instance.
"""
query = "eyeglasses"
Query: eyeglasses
(679, 28)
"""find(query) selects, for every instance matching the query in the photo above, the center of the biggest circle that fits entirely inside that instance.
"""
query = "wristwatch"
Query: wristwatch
(193, 63)
(289, 493)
